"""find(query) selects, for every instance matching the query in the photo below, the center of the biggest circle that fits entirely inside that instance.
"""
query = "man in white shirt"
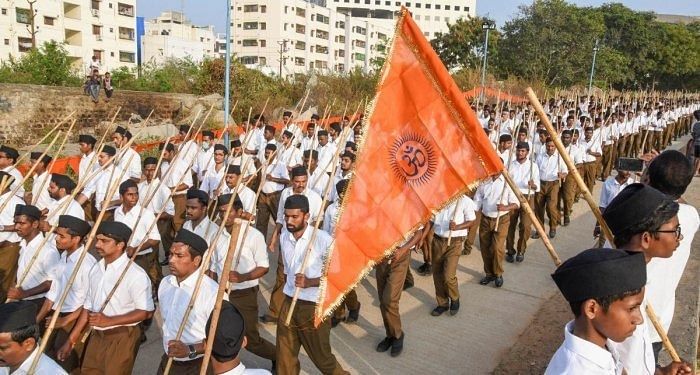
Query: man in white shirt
(326, 151)
(70, 235)
(552, 170)
(268, 139)
(612, 186)
(301, 332)
(318, 178)
(526, 175)
(39, 196)
(213, 177)
(275, 177)
(290, 155)
(249, 264)
(205, 158)
(8, 158)
(175, 175)
(19, 339)
(9, 240)
(291, 127)
(505, 144)
(495, 200)
(307, 141)
(245, 162)
(188, 148)
(86, 144)
(157, 197)
(127, 158)
(102, 183)
(36, 258)
(569, 188)
(450, 226)
(175, 293)
(257, 136)
(114, 340)
(245, 194)
(591, 154)
(60, 189)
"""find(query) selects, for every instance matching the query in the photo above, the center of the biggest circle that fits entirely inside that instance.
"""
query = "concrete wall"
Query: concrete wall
(28, 111)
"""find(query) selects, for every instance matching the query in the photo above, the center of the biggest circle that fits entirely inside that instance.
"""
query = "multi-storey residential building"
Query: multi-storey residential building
(101, 28)
(173, 36)
(298, 36)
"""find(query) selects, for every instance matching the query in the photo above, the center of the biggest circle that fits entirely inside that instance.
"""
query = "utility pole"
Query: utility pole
(590, 79)
(488, 27)
(283, 50)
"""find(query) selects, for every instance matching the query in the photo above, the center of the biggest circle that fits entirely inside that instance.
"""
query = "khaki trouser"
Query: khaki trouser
(470, 241)
(246, 301)
(301, 332)
(621, 146)
(568, 193)
(176, 222)
(267, 208)
(519, 221)
(277, 295)
(350, 302)
(191, 367)
(165, 228)
(427, 248)
(56, 341)
(111, 352)
(445, 261)
(548, 196)
(9, 255)
(492, 241)
(390, 279)
(149, 263)
(607, 161)
(589, 175)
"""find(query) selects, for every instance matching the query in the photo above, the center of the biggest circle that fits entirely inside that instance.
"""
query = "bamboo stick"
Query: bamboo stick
(44, 138)
(53, 162)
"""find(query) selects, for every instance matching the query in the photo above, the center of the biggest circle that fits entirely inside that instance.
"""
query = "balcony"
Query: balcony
(126, 33)
(128, 57)
(71, 11)
(125, 10)
(73, 37)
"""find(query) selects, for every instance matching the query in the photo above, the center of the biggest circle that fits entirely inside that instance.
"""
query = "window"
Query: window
(301, 12)
(126, 33)
(466, 9)
(417, 17)
(263, 9)
(250, 42)
(23, 16)
(447, 19)
(125, 10)
(447, 7)
(111, 53)
(263, 60)
(360, 56)
(7, 42)
(250, 25)
(408, 5)
(249, 60)
(250, 8)
(25, 44)
(312, 49)
(322, 49)
(340, 25)
(97, 53)
(340, 53)
(300, 45)
(313, 17)
(427, 18)
(387, 3)
(301, 29)
(398, 4)
(95, 5)
(340, 67)
(322, 34)
(360, 43)
(437, 6)
(298, 61)
(4, 13)
(96, 30)
(263, 25)
(263, 43)
(381, 36)
(340, 38)
(437, 18)
(126, 56)
(377, 2)
(428, 6)
(49, 20)
(457, 8)
(323, 19)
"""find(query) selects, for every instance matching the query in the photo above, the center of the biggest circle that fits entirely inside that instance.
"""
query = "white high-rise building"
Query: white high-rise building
(173, 36)
(105, 29)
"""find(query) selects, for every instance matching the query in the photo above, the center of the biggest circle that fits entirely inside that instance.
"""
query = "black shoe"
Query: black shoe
(454, 307)
(439, 310)
(510, 258)
(397, 346)
(519, 258)
(164, 263)
(552, 233)
(335, 321)
(353, 315)
(385, 344)
(486, 279)
(407, 285)
(499, 281)
(567, 221)
(535, 236)
(268, 319)
(143, 338)
(273, 368)
(425, 269)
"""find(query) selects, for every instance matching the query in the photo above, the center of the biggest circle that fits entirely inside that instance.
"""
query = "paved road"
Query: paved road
(472, 342)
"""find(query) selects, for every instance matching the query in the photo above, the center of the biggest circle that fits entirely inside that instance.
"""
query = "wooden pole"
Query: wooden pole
(651, 314)
(570, 164)
(46, 136)
(53, 162)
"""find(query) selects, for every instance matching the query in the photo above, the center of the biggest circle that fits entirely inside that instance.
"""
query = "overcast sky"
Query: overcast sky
(213, 12)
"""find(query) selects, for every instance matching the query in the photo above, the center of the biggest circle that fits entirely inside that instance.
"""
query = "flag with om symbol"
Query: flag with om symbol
(422, 147)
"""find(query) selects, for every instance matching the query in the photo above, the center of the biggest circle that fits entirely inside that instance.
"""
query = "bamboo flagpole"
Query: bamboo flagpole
(44, 138)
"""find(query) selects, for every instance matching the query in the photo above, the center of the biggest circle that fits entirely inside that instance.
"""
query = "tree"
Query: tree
(462, 46)
(46, 65)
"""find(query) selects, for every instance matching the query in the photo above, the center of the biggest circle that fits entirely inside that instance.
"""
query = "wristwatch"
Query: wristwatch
(193, 352)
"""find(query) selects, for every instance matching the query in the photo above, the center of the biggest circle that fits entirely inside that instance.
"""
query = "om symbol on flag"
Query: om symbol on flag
(412, 158)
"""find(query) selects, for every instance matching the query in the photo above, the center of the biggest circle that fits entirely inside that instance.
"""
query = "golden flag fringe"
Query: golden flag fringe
(422, 147)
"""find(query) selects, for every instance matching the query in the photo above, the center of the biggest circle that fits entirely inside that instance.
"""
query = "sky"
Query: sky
(213, 12)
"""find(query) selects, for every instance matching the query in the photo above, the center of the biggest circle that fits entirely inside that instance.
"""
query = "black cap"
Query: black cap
(298, 171)
(150, 161)
(297, 201)
(230, 331)
(208, 133)
(322, 132)
(87, 138)
(287, 113)
(315, 117)
(63, 182)
(46, 159)
(233, 169)
(28, 210)
(220, 147)
(198, 194)
(225, 199)
(10, 152)
(523, 146)
(17, 315)
(271, 147)
(115, 230)
(109, 150)
(120, 130)
(236, 143)
(193, 240)
(631, 206)
(81, 227)
(596, 273)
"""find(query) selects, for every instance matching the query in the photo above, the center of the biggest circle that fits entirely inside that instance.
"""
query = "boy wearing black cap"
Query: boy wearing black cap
(268, 139)
(108, 176)
(643, 219)
(301, 331)
(276, 179)
(605, 289)
(326, 151)
(174, 294)
(212, 179)
(9, 240)
(188, 148)
(127, 158)
(318, 178)
(245, 194)
(8, 158)
(176, 176)
(344, 172)
(229, 339)
(250, 264)
(34, 279)
(19, 338)
(308, 140)
(60, 189)
(86, 143)
(70, 236)
(205, 158)
(160, 201)
(526, 174)
(39, 196)
(113, 343)
(290, 155)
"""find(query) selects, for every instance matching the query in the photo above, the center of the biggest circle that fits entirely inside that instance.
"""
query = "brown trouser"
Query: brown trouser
(492, 241)
(277, 295)
(149, 263)
(621, 146)
(659, 144)
(176, 222)
(548, 196)
(607, 161)
(267, 208)
(589, 175)
(246, 301)
(191, 367)
(111, 352)
(88, 207)
(569, 191)
(390, 279)
(520, 221)
(427, 248)
(350, 303)
(631, 148)
(165, 228)
(9, 255)
(301, 332)
(56, 341)
(470, 241)
(445, 261)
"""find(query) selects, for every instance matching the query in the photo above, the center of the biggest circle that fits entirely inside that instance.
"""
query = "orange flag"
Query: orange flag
(422, 147)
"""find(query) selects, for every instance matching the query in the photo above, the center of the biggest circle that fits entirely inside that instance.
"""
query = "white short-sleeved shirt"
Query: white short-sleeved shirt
(40, 270)
(205, 160)
(102, 183)
(14, 172)
(330, 218)
(636, 352)
(459, 211)
(146, 228)
(40, 190)
(213, 180)
(245, 194)
(64, 207)
(488, 195)
(130, 160)
(253, 255)
(593, 146)
(7, 216)
(293, 251)
(246, 163)
(314, 205)
(160, 194)
(180, 174)
(133, 293)
(318, 181)
(550, 166)
(277, 170)
(325, 157)
(84, 163)
(524, 172)
(62, 272)
(577, 356)
(188, 152)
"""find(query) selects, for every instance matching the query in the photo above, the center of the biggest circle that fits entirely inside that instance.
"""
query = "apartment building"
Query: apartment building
(101, 28)
(172, 36)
